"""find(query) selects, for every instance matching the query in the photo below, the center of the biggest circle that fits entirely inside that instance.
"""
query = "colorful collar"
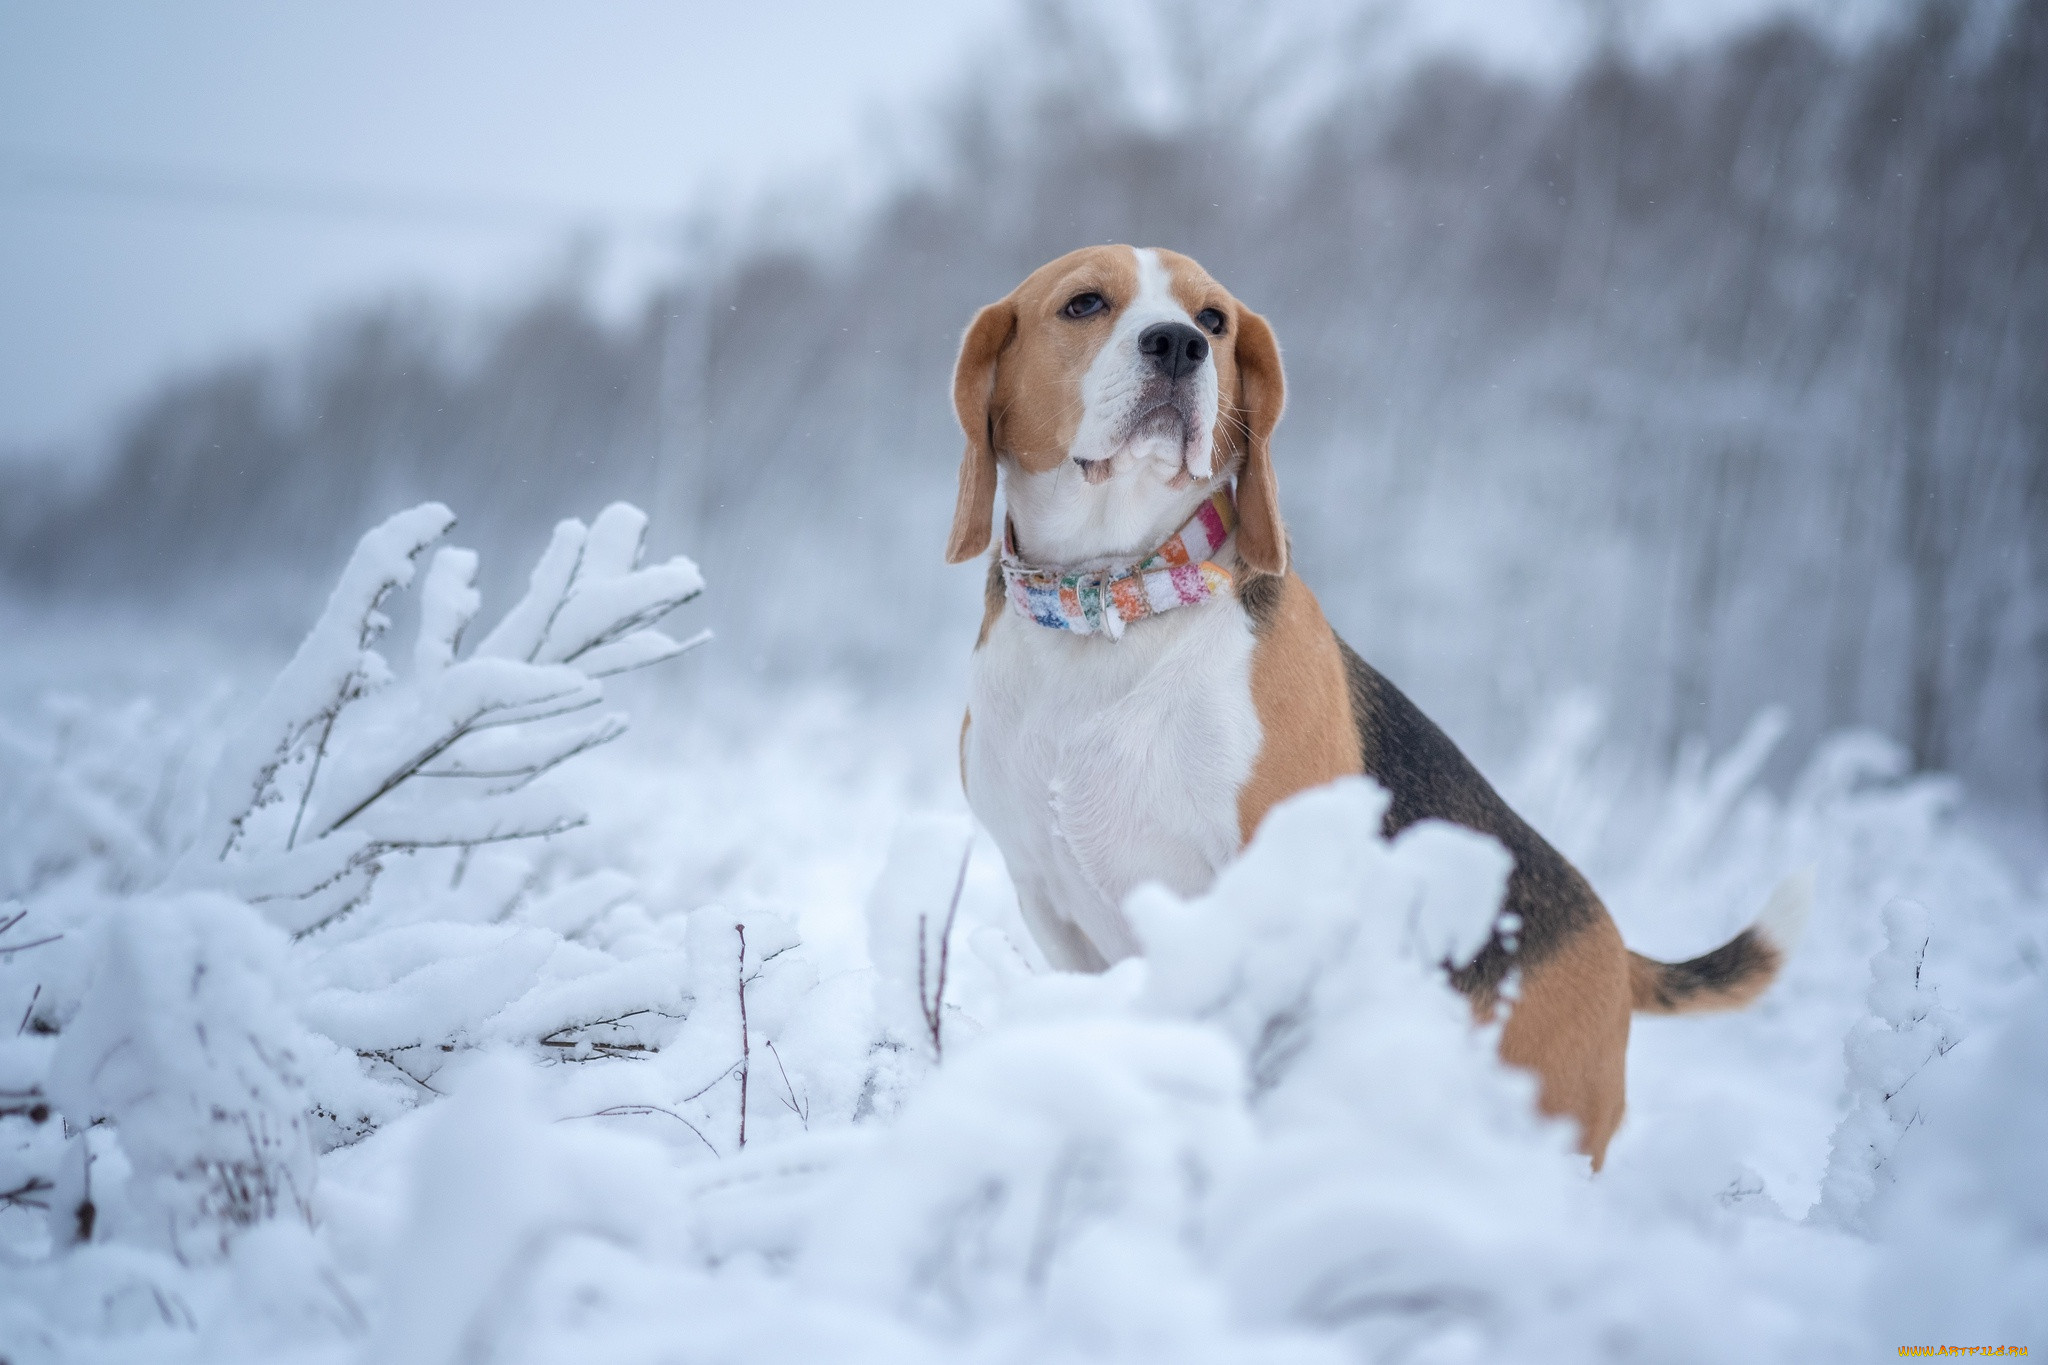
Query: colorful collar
(1177, 574)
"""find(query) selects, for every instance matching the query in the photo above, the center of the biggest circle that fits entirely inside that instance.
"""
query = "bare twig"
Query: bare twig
(618, 1018)
(14, 919)
(23, 1195)
(932, 1004)
(746, 1052)
(313, 776)
(30, 1011)
(640, 1111)
(32, 943)
(389, 1056)
(617, 1050)
(705, 1089)
(802, 1111)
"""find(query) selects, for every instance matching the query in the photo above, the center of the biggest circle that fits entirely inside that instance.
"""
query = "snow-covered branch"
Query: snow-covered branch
(343, 761)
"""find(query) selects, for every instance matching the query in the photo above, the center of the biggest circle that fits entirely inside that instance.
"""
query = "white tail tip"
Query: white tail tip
(1784, 916)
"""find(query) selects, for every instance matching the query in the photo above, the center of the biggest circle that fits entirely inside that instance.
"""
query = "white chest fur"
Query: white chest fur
(1099, 765)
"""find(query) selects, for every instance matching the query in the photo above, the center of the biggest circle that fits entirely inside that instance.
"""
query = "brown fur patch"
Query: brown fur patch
(1037, 398)
(1261, 393)
(973, 380)
(1298, 689)
(1570, 1027)
(992, 600)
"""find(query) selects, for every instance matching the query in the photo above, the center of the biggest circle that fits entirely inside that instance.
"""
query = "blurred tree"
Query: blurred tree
(1709, 380)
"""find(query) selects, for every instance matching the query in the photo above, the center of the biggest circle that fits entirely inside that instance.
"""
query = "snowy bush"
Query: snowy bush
(178, 1064)
(1963, 1220)
(103, 796)
(1906, 1033)
(185, 1044)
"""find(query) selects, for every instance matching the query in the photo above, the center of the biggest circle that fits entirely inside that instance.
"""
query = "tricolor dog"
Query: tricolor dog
(1151, 678)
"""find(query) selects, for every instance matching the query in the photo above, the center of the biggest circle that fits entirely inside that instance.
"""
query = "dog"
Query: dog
(1151, 678)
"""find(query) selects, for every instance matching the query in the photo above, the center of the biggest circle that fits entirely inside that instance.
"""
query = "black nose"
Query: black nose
(1174, 347)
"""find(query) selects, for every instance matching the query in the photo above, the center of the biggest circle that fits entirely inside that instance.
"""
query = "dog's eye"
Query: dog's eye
(1081, 305)
(1210, 321)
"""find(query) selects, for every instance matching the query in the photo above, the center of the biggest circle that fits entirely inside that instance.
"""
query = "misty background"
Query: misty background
(1693, 368)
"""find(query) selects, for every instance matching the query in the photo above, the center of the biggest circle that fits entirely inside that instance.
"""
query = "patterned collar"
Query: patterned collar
(1179, 573)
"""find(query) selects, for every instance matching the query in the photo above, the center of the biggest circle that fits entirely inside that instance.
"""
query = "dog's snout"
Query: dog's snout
(1174, 347)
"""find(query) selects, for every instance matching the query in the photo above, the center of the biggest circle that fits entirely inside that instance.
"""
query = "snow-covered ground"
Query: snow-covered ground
(705, 1078)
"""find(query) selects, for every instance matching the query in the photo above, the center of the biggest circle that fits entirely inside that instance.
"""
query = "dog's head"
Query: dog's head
(1118, 385)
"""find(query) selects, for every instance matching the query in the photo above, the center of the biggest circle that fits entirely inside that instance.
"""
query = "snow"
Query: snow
(184, 1043)
(684, 1080)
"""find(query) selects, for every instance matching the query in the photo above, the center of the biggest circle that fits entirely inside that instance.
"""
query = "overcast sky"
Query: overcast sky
(177, 179)
(181, 180)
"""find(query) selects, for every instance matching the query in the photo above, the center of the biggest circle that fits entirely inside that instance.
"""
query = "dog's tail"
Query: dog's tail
(1733, 974)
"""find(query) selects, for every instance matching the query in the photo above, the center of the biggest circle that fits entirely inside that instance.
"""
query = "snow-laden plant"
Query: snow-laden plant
(107, 794)
(344, 762)
(185, 1043)
(1961, 1219)
(910, 919)
(177, 1063)
(1907, 1031)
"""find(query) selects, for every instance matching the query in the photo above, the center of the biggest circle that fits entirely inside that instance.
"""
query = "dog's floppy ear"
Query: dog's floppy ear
(1261, 393)
(974, 382)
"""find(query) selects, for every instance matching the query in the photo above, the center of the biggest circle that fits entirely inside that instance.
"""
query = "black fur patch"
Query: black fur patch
(1729, 969)
(1429, 778)
(1260, 595)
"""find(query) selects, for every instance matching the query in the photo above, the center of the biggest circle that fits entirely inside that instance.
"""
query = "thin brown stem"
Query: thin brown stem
(746, 1052)
(24, 1194)
(933, 1004)
(640, 1110)
(312, 776)
(705, 1088)
(803, 1110)
(32, 943)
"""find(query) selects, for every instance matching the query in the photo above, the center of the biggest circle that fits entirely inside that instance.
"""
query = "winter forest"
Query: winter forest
(558, 934)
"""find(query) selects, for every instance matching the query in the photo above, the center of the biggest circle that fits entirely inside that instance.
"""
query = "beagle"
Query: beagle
(1150, 678)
